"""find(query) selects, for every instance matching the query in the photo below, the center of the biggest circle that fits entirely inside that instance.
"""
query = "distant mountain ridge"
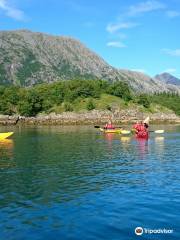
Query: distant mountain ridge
(168, 78)
(28, 58)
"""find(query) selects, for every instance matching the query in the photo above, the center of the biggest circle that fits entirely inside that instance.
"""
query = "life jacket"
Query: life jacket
(109, 126)
(141, 130)
(138, 127)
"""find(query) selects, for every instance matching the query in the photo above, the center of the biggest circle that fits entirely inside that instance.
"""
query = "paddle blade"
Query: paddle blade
(159, 131)
(96, 126)
(101, 129)
(124, 132)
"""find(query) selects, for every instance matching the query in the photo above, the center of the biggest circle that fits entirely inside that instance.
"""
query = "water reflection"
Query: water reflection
(159, 140)
(109, 136)
(142, 147)
(159, 145)
(6, 153)
(6, 143)
(125, 139)
(136, 146)
(110, 139)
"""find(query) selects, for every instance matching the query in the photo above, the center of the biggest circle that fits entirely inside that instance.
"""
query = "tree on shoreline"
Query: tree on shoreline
(66, 94)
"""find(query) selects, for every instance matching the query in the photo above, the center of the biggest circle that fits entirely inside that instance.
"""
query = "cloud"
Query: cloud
(11, 12)
(124, 22)
(116, 44)
(144, 7)
(170, 70)
(172, 14)
(133, 11)
(172, 52)
(112, 28)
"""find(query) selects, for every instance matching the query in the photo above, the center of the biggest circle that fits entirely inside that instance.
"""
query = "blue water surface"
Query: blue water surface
(76, 183)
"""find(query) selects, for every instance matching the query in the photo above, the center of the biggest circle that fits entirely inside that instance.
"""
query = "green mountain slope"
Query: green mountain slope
(28, 58)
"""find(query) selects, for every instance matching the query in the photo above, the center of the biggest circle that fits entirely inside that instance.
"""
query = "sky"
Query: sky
(136, 35)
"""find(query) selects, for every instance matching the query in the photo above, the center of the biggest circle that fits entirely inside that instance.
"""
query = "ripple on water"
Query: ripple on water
(58, 184)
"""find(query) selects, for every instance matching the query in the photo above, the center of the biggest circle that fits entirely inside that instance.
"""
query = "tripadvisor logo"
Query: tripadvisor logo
(139, 231)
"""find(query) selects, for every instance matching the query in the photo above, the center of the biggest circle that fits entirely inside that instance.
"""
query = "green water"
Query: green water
(76, 183)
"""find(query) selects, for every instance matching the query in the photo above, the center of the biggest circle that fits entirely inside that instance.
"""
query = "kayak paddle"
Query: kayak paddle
(157, 131)
(100, 127)
(124, 132)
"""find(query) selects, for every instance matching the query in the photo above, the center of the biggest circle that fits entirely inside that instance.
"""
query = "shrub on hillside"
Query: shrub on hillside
(120, 89)
(90, 105)
(143, 100)
(68, 107)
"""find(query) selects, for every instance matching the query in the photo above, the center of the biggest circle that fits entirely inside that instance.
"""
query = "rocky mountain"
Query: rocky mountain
(28, 58)
(168, 79)
(143, 83)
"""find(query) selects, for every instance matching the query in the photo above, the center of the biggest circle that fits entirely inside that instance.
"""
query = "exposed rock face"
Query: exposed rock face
(90, 118)
(168, 79)
(141, 82)
(8, 120)
(28, 58)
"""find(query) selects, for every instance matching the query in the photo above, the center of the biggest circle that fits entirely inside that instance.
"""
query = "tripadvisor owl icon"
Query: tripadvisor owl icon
(139, 231)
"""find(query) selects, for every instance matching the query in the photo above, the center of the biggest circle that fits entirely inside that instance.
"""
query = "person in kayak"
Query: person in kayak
(136, 127)
(109, 125)
(141, 129)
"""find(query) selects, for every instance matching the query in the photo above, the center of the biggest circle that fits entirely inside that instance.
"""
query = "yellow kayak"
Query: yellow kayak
(110, 130)
(5, 135)
(120, 131)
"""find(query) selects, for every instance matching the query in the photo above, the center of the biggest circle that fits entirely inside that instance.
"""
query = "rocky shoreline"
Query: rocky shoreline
(88, 118)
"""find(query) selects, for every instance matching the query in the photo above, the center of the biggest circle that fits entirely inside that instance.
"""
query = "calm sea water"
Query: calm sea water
(75, 183)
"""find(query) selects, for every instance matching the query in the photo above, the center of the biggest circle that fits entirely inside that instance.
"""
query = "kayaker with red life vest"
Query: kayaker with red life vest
(136, 127)
(141, 129)
(109, 125)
